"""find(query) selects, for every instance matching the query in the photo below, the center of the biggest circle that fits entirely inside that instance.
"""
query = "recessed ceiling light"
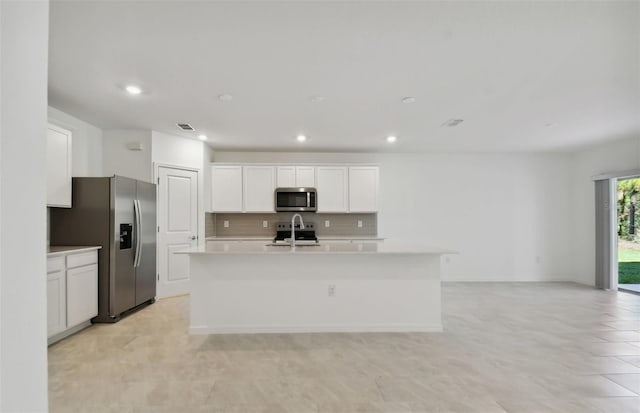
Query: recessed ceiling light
(452, 122)
(301, 138)
(316, 99)
(391, 139)
(408, 99)
(225, 97)
(133, 89)
(202, 137)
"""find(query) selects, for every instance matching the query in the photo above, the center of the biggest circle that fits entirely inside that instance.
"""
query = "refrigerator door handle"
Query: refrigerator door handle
(138, 229)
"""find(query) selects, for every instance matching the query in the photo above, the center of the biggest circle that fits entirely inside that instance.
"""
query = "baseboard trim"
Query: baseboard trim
(378, 328)
(66, 333)
(500, 280)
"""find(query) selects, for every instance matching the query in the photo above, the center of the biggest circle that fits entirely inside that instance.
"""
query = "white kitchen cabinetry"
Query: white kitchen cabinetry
(82, 294)
(286, 176)
(296, 176)
(363, 189)
(250, 188)
(332, 184)
(58, 167)
(226, 188)
(56, 296)
(259, 184)
(72, 292)
(306, 176)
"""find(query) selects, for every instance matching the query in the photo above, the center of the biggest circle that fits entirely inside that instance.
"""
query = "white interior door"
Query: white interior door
(177, 227)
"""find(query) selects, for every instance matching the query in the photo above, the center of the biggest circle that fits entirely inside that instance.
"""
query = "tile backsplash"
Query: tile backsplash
(252, 225)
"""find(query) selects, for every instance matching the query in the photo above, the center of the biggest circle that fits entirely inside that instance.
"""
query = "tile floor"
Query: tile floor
(507, 347)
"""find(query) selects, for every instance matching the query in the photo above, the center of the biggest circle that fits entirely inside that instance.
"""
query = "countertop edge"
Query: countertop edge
(68, 249)
(282, 251)
(321, 238)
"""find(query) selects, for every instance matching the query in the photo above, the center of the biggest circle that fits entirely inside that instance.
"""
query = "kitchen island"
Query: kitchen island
(250, 287)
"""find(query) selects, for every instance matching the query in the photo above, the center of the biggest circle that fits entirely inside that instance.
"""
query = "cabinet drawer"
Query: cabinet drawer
(78, 260)
(55, 264)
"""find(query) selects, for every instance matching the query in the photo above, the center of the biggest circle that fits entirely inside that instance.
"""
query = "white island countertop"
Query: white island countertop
(55, 250)
(252, 287)
(223, 248)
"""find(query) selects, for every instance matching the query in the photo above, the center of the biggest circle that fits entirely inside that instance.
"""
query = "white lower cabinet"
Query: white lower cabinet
(82, 294)
(72, 291)
(56, 303)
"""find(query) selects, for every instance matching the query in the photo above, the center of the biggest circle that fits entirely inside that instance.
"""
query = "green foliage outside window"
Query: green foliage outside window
(628, 208)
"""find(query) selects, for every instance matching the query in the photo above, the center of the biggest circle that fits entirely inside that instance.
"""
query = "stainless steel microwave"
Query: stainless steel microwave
(296, 199)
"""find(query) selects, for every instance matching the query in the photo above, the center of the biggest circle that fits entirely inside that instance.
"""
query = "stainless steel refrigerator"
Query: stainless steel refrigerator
(119, 214)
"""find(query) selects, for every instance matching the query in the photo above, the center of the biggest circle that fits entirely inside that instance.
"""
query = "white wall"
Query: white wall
(23, 119)
(118, 159)
(175, 150)
(620, 155)
(506, 214)
(86, 143)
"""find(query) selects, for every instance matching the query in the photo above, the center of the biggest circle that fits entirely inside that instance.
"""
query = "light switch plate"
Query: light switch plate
(327, 223)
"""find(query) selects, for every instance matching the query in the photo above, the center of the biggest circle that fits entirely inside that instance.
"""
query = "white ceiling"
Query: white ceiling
(508, 69)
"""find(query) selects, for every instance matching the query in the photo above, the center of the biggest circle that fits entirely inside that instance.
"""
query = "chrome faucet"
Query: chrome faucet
(293, 228)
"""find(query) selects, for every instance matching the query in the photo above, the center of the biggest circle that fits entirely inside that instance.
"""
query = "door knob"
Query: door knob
(193, 237)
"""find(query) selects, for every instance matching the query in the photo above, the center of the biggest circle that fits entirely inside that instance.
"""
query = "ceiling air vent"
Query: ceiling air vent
(452, 122)
(185, 126)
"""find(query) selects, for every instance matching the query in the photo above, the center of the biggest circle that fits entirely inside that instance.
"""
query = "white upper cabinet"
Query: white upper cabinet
(226, 188)
(250, 188)
(296, 176)
(306, 176)
(259, 186)
(332, 186)
(363, 189)
(286, 176)
(58, 167)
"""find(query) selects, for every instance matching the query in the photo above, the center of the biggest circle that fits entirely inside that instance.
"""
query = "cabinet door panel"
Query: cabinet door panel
(226, 188)
(363, 189)
(58, 167)
(56, 303)
(306, 176)
(285, 176)
(259, 184)
(82, 294)
(332, 189)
